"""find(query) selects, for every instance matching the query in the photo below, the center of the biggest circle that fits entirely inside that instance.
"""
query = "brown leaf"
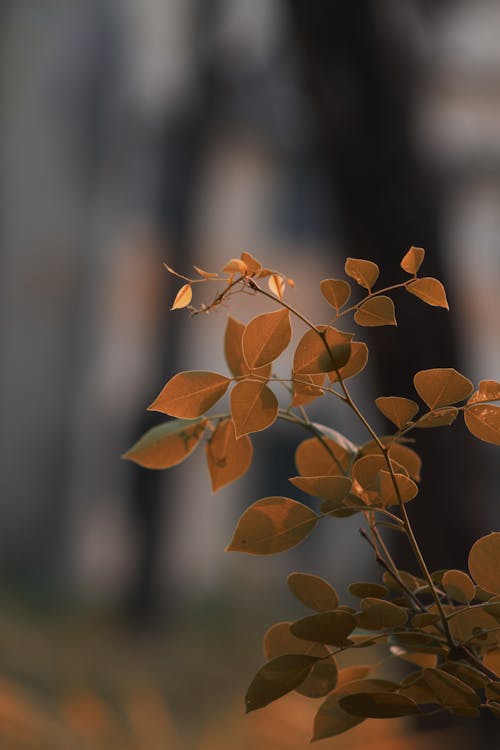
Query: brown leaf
(363, 589)
(483, 420)
(378, 705)
(276, 678)
(276, 284)
(355, 364)
(334, 488)
(438, 418)
(235, 265)
(406, 487)
(252, 264)
(227, 457)
(383, 614)
(254, 407)
(183, 297)
(376, 311)
(484, 562)
(265, 337)
(399, 410)
(313, 591)
(429, 290)
(488, 390)
(336, 292)
(233, 351)
(364, 272)
(449, 690)
(270, 525)
(399, 453)
(442, 386)
(167, 444)
(190, 394)
(312, 356)
(305, 388)
(279, 640)
(312, 458)
(458, 586)
(205, 274)
(413, 259)
(326, 627)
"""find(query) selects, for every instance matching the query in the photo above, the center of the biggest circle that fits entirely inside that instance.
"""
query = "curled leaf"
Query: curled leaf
(438, 418)
(183, 297)
(413, 259)
(276, 284)
(228, 458)
(488, 390)
(252, 264)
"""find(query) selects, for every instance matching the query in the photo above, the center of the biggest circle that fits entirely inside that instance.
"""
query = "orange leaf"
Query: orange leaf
(355, 364)
(483, 420)
(205, 274)
(484, 562)
(233, 351)
(406, 487)
(488, 390)
(167, 444)
(265, 337)
(271, 525)
(312, 356)
(336, 292)
(439, 418)
(254, 407)
(364, 272)
(227, 458)
(441, 386)
(413, 260)
(252, 264)
(183, 297)
(403, 455)
(334, 488)
(429, 290)
(235, 265)
(376, 311)
(276, 284)
(314, 457)
(190, 394)
(305, 388)
(398, 410)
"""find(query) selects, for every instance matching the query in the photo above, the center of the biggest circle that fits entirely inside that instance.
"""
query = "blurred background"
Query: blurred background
(137, 132)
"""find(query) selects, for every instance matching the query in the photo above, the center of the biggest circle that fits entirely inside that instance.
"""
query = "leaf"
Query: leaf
(233, 351)
(265, 337)
(471, 676)
(421, 620)
(276, 284)
(205, 274)
(376, 311)
(313, 591)
(458, 586)
(364, 272)
(305, 388)
(276, 678)
(492, 660)
(227, 457)
(483, 420)
(449, 690)
(399, 453)
(312, 356)
(399, 410)
(271, 525)
(484, 562)
(352, 674)
(167, 444)
(406, 487)
(413, 259)
(438, 418)
(183, 297)
(254, 407)
(366, 471)
(252, 264)
(326, 627)
(315, 457)
(190, 394)
(336, 292)
(467, 624)
(381, 614)
(355, 364)
(235, 265)
(321, 680)
(378, 705)
(363, 589)
(442, 386)
(331, 720)
(279, 640)
(334, 488)
(488, 390)
(429, 290)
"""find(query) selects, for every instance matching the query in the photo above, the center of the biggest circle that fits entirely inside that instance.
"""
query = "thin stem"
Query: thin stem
(369, 296)
(253, 285)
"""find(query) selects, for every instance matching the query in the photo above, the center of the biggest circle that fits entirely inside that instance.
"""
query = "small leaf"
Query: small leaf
(442, 386)
(488, 390)
(276, 678)
(363, 589)
(429, 290)
(167, 444)
(458, 586)
(315, 457)
(421, 620)
(276, 284)
(376, 311)
(382, 614)
(233, 351)
(227, 457)
(252, 264)
(279, 640)
(305, 388)
(484, 562)
(334, 488)
(205, 274)
(254, 407)
(483, 420)
(406, 487)
(378, 705)
(438, 418)
(336, 292)
(364, 272)
(449, 690)
(355, 364)
(312, 356)
(327, 627)
(265, 337)
(399, 410)
(399, 453)
(270, 525)
(366, 470)
(183, 297)
(313, 591)
(235, 265)
(190, 394)
(413, 260)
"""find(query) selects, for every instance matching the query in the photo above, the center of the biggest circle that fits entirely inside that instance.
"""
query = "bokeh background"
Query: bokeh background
(137, 132)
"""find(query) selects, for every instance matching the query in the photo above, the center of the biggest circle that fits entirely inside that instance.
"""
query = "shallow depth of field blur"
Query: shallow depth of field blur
(137, 132)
